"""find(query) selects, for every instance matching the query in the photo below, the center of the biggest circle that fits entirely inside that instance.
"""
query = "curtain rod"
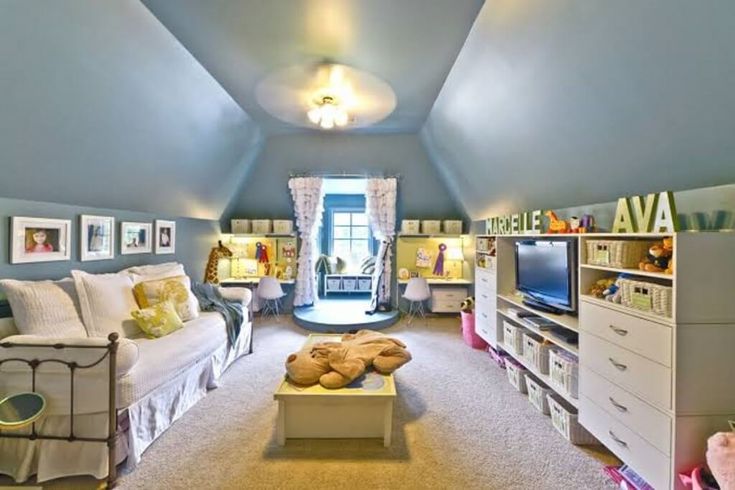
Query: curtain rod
(344, 175)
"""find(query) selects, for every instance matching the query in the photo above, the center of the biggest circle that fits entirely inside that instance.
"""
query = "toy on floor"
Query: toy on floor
(658, 257)
(556, 225)
(337, 364)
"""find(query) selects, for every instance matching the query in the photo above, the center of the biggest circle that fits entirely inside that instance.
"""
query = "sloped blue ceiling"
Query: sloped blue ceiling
(101, 106)
(557, 104)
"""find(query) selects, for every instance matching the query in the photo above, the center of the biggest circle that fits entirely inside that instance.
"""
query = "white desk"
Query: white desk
(444, 297)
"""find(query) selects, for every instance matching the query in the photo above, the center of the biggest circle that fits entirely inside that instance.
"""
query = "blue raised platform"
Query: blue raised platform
(342, 315)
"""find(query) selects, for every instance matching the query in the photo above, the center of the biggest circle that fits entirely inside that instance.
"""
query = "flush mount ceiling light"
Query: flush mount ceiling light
(326, 96)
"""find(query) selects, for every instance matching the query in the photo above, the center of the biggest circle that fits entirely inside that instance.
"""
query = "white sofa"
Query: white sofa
(157, 381)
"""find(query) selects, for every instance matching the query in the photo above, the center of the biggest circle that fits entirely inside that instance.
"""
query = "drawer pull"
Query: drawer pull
(620, 331)
(618, 366)
(483, 315)
(617, 405)
(619, 441)
(484, 296)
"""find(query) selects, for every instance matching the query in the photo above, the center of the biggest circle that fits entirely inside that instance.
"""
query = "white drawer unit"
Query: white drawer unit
(654, 389)
(485, 280)
(643, 457)
(645, 378)
(652, 424)
(649, 339)
(486, 303)
(447, 299)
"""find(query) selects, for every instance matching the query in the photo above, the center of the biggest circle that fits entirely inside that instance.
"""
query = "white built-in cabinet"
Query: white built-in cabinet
(651, 389)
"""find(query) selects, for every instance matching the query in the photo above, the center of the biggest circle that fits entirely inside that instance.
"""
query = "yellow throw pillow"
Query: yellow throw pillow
(158, 320)
(177, 290)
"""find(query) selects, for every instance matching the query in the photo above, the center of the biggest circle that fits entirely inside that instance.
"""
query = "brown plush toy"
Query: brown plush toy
(337, 364)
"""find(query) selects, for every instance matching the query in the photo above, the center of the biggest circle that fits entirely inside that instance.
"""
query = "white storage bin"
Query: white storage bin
(239, 226)
(349, 283)
(646, 296)
(564, 420)
(282, 226)
(364, 284)
(536, 352)
(452, 227)
(516, 375)
(537, 392)
(261, 226)
(513, 338)
(431, 227)
(410, 226)
(564, 372)
(334, 284)
(617, 253)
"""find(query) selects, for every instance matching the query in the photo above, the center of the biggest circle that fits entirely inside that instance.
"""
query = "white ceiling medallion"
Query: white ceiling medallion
(326, 96)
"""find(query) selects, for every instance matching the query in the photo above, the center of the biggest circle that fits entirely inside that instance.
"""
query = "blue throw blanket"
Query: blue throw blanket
(211, 300)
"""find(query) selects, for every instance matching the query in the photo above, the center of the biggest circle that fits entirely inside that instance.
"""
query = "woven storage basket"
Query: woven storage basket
(564, 420)
(537, 392)
(617, 253)
(536, 352)
(516, 376)
(513, 338)
(564, 372)
(646, 296)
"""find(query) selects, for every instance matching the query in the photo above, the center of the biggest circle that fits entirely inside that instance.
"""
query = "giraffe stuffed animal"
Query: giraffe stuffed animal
(218, 252)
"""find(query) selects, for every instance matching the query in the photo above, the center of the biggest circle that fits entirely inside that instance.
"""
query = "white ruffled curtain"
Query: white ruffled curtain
(380, 202)
(308, 198)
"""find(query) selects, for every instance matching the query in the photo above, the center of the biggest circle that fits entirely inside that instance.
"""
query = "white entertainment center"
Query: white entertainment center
(651, 388)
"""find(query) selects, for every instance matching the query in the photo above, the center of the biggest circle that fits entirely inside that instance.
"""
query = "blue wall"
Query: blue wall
(566, 102)
(103, 107)
(422, 194)
(194, 240)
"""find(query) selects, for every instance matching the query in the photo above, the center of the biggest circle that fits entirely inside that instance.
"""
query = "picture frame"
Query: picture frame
(96, 237)
(165, 237)
(136, 238)
(39, 240)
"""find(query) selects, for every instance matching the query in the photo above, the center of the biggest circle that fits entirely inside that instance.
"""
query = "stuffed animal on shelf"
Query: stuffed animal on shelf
(598, 288)
(556, 225)
(575, 225)
(658, 257)
(337, 364)
(587, 225)
(669, 247)
(468, 305)
(613, 292)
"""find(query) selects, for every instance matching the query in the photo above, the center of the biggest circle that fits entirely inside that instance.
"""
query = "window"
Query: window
(350, 237)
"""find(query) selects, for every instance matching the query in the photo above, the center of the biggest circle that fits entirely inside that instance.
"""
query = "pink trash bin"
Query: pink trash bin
(468, 332)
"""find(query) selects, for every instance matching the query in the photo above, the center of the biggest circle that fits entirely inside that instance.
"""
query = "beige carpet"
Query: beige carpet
(458, 425)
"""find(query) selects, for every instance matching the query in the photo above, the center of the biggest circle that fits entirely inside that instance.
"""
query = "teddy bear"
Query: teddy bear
(613, 293)
(337, 364)
(658, 256)
(600, 286)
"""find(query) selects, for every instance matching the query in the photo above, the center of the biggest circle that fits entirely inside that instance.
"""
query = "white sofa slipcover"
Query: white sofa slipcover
(169, 376)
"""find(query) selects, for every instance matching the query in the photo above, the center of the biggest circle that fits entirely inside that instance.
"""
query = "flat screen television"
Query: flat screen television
(546, 273)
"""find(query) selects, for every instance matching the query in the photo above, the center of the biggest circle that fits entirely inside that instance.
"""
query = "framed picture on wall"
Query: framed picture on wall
(39, 240)
(165, 236)
(96, 237)
(135, 238)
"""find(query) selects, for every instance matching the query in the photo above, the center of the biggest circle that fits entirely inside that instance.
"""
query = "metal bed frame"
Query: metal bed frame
(110, 353)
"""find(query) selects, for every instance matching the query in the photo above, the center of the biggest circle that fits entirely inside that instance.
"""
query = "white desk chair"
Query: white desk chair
(417, 291)
(270, 291)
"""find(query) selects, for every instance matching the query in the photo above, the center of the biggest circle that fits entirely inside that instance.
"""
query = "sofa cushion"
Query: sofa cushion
(106, 302)
(158, 320)
(45, 308)
(176, 290)
(161, 360)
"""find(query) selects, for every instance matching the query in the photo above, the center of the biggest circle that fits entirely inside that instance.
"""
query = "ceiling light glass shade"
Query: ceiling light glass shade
(296, 95)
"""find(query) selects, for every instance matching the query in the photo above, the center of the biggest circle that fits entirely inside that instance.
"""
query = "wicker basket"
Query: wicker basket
(564, 420)
(537, 392)
(617, 253)
(564, 372)
(513, 338)
(536, 352)
(516, 376)
(646, 296)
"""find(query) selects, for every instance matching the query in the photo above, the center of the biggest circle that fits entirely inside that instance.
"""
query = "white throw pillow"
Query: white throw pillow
(106, 302)
(44, 308)
(165, 269)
